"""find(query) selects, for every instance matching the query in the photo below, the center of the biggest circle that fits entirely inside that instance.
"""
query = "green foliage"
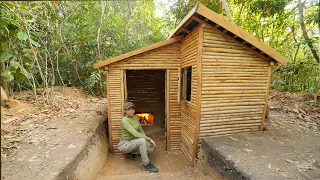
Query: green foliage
(22, 36)
(296, 77)
(56, 43)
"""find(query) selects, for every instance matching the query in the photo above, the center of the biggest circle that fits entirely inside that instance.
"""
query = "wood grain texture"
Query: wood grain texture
(189, 57)
(162, 58)
(234, 82)
(136, 52)
(234, 31)
(266, 98)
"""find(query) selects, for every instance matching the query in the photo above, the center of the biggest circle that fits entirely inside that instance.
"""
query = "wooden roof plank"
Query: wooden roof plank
(221, 21)
(184, 20)
(138, 51)
(225, 23)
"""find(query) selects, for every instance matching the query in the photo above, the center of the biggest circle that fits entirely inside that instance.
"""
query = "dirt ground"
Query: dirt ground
(289, 148)
(171, 164)
(25, 121)
(38, 138)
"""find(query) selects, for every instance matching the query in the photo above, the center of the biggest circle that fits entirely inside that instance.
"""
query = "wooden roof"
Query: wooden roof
(200, 14)
(138, 51)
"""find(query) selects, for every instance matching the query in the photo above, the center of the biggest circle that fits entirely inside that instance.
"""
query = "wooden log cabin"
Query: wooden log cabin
(209, 78)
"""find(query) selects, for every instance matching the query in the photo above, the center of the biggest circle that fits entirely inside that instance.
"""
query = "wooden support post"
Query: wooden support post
(167, 109)
(185, 30)
(266, 99)
(179, 84)
(122, 91)
(197, 19)
(109, 113)
(199, 91)
(125, 86)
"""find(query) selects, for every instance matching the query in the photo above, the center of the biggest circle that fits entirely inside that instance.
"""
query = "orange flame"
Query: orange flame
(146, 118)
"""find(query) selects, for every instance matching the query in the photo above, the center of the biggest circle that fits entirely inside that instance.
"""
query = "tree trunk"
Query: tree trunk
(3, 97)
(226, 7)
(304, 32)
(239, 15)
(3, 82)
(99, 29)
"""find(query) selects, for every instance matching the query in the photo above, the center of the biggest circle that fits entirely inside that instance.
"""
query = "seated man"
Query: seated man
(133, 139)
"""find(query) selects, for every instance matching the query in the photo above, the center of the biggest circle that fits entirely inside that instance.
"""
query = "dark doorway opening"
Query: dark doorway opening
(146, 89)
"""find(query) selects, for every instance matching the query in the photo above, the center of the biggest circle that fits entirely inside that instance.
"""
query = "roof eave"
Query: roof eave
(106, 62)
(226, 24)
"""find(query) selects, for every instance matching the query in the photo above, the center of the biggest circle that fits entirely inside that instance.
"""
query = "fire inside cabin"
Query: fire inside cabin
(146, 118)
(146, 89)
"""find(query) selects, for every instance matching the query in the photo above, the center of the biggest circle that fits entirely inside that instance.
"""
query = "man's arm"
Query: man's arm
(140, 130)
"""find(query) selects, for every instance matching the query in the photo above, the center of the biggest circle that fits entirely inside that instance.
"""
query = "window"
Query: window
(186, 83)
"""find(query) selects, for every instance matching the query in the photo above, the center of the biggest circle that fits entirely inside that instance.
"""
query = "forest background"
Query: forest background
(45, 44)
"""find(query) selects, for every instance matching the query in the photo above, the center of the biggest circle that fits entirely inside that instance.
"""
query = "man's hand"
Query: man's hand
(152, 143)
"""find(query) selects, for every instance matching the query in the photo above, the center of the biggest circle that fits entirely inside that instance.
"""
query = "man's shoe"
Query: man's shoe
(131, 156)
(150, 168)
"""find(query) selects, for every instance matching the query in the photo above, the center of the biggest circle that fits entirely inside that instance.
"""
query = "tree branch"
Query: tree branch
(304, 32)
(241, 8)
(103, 4)
(226, 8)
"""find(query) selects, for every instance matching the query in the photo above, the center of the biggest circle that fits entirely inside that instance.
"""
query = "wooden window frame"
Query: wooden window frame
(185, 95)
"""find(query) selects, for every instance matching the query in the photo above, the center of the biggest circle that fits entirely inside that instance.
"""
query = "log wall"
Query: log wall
(189, 52)
(234, 85)
(165, 58)
(114, 106)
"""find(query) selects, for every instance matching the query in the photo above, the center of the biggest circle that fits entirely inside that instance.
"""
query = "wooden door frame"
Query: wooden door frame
(167, 111)
(124, 95)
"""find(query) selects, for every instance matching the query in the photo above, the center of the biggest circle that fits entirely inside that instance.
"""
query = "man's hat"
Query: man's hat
(127, 105)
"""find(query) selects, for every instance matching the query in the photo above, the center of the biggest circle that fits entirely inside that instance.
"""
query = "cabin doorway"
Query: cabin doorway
(147, 90)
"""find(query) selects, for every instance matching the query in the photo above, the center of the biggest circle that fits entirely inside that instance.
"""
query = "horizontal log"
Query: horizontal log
(214, 81)
(189, 45)
(227, 101)
(224, 133)
(212, 125)
(207, 49)
(189, 40)
(219, 44)
(215, 34)
(188, 64)
(214, 119)
(190, 37)
(213, 40)
(241, 120)
(254, 85)
(219, 108)
(187, 54)
(234, 92)
(234, 68)
(236, 104)
(230, 55)
(236, 95)
(234, 114)
(229, 129)
(212, 112)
